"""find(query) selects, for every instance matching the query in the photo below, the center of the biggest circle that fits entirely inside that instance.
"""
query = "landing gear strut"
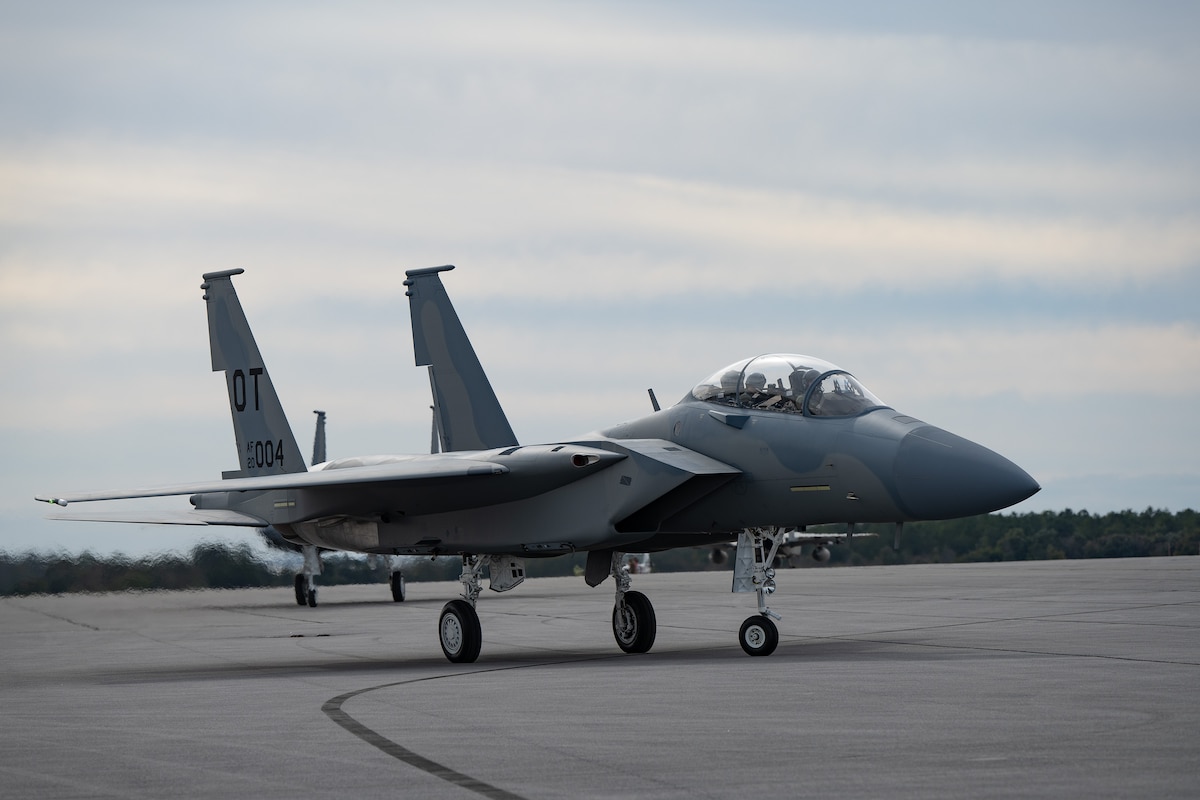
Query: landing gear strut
(752, 572)
(396, 581)
(634, 623)
(392, 565)
(306, 581)
(458, 627)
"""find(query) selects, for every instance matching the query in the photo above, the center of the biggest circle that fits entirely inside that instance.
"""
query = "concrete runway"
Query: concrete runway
(1036, 679)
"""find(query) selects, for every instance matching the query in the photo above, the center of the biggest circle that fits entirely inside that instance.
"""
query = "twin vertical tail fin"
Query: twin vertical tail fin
(265, 443)
(319, 439)
(467, 415)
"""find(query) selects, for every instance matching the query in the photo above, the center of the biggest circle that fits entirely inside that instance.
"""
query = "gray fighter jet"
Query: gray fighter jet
(756, 451)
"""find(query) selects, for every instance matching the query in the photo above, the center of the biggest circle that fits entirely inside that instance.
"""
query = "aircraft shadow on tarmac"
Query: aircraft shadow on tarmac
(808, 652)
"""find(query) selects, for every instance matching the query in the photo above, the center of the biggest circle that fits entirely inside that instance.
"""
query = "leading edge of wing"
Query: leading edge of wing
(414, 468)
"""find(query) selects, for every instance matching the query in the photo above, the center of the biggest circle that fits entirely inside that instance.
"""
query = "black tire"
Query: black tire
(312, 598)
(634, 624)
(758, 636)
(397, 583)
(459, 632)
(301, 590)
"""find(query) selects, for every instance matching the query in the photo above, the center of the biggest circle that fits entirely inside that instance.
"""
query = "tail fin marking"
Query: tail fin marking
(265, 443)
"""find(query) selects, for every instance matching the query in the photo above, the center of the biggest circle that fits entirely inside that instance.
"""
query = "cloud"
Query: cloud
(144, 210)
(990, 216)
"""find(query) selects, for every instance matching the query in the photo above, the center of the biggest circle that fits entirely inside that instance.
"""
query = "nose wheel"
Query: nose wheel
(758, 636)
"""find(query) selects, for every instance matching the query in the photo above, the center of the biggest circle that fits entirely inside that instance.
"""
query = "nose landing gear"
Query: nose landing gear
(752, 572)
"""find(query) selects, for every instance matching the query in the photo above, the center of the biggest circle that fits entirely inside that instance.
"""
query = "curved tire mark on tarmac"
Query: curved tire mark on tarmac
(333, 709)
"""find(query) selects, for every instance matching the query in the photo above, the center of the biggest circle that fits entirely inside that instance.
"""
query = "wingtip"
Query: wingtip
(58, 501)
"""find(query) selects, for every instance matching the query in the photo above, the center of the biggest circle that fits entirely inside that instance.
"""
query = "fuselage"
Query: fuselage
(772, 441)
(788, 470)
(879, 466)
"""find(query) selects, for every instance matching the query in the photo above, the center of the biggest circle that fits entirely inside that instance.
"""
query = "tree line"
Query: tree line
(990, 537)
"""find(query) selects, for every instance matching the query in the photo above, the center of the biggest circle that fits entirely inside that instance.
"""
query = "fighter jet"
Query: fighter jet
(758, 449)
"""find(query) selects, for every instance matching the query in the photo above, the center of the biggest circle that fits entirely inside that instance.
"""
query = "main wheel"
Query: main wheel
(459, 632)
(758, 636)
(301, 590)
(312, 598)
(634, 625)
(397, 582)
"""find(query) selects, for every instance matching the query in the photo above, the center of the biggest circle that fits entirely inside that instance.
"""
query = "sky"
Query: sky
(989, 213)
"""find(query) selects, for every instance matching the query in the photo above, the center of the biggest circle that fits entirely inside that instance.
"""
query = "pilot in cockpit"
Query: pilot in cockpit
(729, 385)
(755, 390)
(799, 381)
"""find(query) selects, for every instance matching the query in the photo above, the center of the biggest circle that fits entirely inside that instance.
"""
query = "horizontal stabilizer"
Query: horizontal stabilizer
(213, 516)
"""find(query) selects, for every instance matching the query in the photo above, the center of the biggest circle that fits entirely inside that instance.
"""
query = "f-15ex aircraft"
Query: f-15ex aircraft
(753, 453)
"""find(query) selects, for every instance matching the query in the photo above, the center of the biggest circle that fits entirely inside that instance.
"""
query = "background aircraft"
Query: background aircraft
(761, 447)
(793, 542)
(306, 584)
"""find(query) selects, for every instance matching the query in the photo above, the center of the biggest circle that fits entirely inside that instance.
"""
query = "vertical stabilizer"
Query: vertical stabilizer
(265, 443)
(469, 416)
(319, 439)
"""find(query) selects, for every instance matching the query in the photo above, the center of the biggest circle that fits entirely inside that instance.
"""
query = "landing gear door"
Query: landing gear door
(505, 572)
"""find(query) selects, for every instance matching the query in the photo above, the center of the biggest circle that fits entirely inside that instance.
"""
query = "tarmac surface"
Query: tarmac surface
(1033, 679)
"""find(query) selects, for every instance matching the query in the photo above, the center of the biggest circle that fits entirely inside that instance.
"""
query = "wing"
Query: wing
(364, 487)
(400, 470)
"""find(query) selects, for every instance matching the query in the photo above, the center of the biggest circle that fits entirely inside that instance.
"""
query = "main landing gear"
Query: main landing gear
(458, 627)
(752, 572)
(633, 621)
(306, 580)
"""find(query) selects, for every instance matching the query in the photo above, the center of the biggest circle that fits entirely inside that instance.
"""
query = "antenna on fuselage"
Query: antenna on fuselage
(654, 400)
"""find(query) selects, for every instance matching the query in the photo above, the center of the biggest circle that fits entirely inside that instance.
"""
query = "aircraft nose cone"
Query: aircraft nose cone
(942, 476)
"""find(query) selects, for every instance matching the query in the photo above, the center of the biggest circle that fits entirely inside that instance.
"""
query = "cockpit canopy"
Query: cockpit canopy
(790, 384)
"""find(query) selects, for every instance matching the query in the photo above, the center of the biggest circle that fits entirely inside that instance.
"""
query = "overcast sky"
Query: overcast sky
(990, 215)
